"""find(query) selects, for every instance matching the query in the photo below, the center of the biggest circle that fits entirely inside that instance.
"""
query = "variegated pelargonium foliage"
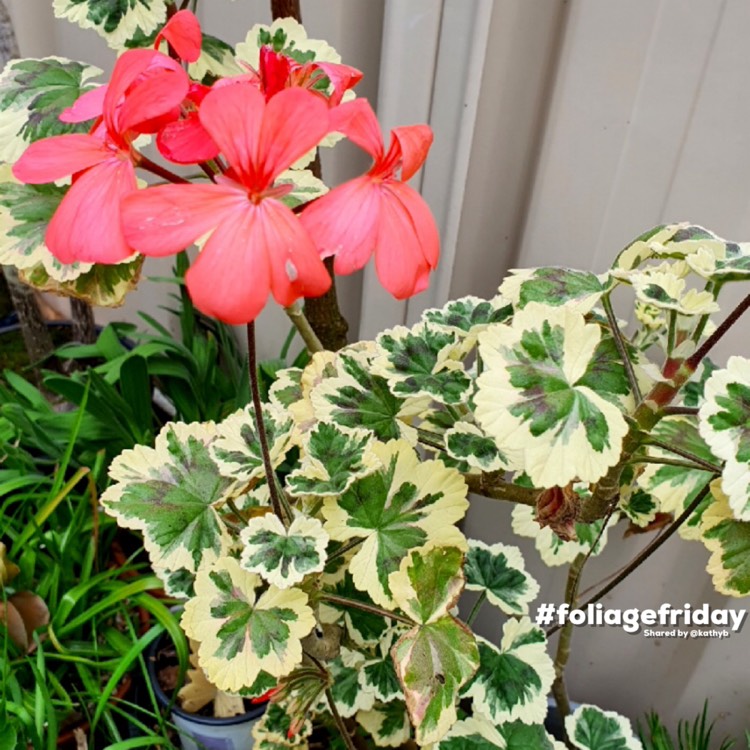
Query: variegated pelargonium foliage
(358, 586)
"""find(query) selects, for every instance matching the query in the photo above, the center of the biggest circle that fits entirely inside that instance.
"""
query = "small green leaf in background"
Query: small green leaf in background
(590, 728)
(500, 571)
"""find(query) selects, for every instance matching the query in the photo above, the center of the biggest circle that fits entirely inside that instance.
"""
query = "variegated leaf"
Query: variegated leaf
(25, 212)
(639, 506)
(334, 458)
(591, 728)
(439, 655)
(466, 442)
(675, 487)
(467, 316)
(216, 60)
(728, 541)
(733, 264)
(547, 391)
(273, 731)
(724, 423)
(305, 187)
(288, 36)
(170, 492)
(378, 677)
(387, 724)
(478, 734)
(513, 681)
(101, 285)
(345, 687)
(500, 572)
(33, 95)
(405, 504)
(433, 663)
(115, 20)
(557, 287)
(667, 291)
(283, 556)
(357, 398)
(287, 388)
(364, 628)
(423, 361)
(241, 632)
(236, 449)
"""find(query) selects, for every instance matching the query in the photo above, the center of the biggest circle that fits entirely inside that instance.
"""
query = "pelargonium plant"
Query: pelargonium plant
(315, 538)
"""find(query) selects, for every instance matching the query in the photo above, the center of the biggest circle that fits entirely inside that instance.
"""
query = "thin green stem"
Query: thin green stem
(340, 725)
(672, 333)
(302, 324)
(622, 348)
(562, 656)
(714, 288)
(430, 439)
(252, 364)
(669, 462)
(344, 549)
(343, 601)
(475, 609)
(639, 559)
(687, 455)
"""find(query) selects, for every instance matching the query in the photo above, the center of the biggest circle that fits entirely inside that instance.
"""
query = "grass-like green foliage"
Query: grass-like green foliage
(690, 736)
(54, 533)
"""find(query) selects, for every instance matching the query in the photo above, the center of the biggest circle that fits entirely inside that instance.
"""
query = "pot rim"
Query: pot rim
(254, 713)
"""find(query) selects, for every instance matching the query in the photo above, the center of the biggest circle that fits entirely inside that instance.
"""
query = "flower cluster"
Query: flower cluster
(244, 131)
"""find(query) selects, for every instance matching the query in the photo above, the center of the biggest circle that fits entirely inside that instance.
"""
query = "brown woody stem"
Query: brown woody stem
(343, 601)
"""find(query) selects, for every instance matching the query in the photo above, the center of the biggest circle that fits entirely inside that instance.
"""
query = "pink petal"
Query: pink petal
(166, 219)
(343, 78)
(421, 215)
(86, 225)
(358, 123)
(261, 140)
(295, 121)
(86, 107)
(296, 268)
(414, 142)
(232, 115)
(53, 158)
(274, 71)
(145, 85)
(183, 32)
(399, 259)
(230, 280)
(186, 141)
(344, 223)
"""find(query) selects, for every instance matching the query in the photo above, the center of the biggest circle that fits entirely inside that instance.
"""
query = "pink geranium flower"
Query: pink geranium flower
(146, 87)
(378, 212)
(277, 71)
(183, 32)
(256, 245)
